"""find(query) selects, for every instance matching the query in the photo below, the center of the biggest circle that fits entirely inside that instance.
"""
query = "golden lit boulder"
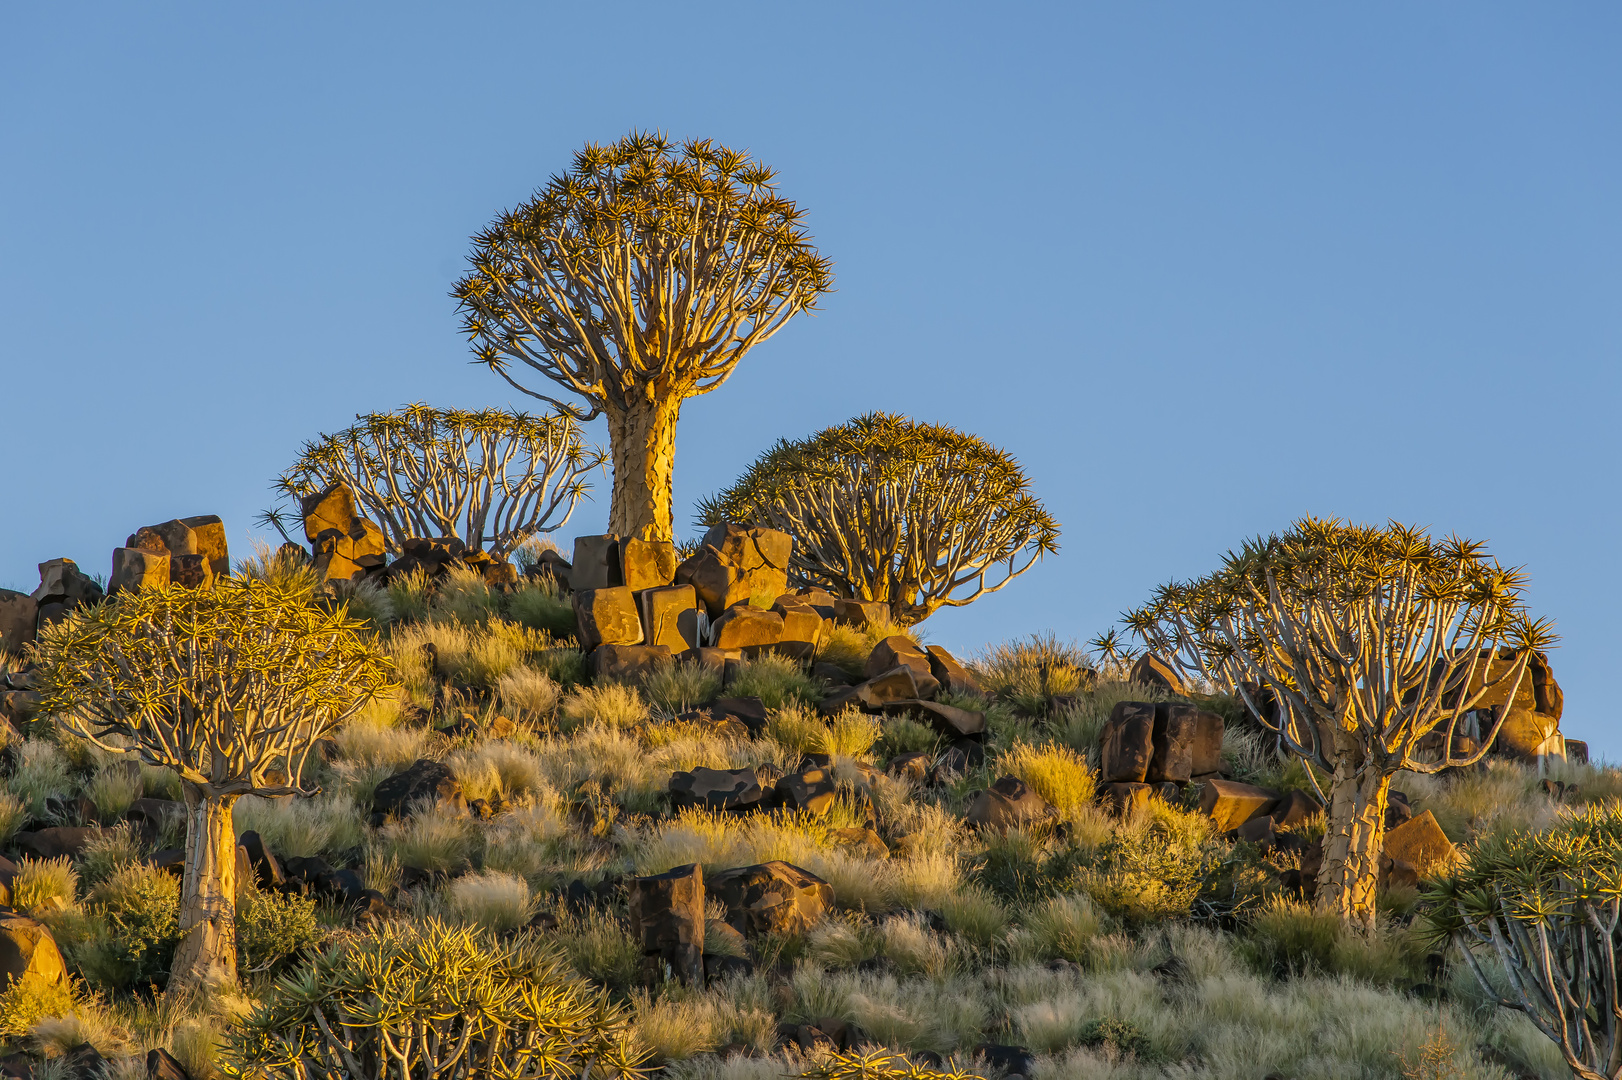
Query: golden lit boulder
(646, 564)
(606, 617)
(771, 898)
(1151, 670)
(1230, 804)
(27, 951)
(1421, 843)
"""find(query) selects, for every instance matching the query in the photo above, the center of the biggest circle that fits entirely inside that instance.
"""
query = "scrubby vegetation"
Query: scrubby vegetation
(1102, 945)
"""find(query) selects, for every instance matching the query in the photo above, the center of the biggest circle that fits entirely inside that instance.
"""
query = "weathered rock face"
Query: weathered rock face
(19, 618)
(57, 841)
(953, 676)
(1527, 735)
(748, 628)
(343, 544)
(810, 789)
(667, 920)
(625, 663)
(1151, 670)
(27, 951)
(62, 587)
(736, 564)
(897, 684)
(734, 790)
(771, 898)
(1293, 809)
(1230, 804)
(1208, 731)
(947, 719)
(606, 617)
(1421, 843)
(190, 571)
(1175, 732)
(1538, 690)
(898, 650)
(1126, 745)
(597, 563)
(137, 568)
(646, 564)
(1123, 799)
(202, 535)
(1009, 801)
(425, 782)
(670, 617)
(802, 630)
(861, 613)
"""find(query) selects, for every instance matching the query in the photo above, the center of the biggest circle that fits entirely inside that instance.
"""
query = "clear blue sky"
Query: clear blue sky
(1202, 268)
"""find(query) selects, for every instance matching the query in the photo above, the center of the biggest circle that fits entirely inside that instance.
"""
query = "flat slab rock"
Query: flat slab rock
(771, 897)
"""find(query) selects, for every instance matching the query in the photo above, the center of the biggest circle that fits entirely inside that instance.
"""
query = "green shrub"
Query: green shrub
(508, 1007)
(27, 1001)
(1065, 927)
(274, 928)
(775, 680)
(797, 729)
(601, 948)
(140, 906)
(1031, 672)
(113, 789)
(13, 814)
(850, 733)
(540, 608)
(902, 734)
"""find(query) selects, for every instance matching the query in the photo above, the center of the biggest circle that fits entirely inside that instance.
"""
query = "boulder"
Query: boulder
(1124, 798)
(1175, 727)
(750, 629)
(1008, 802)
(61, 583)
(948, 719)
(1538, 690)
(606, 616)
(733, 790)
(27, 951)
(802, 632)
(19, 618)
(646, 564)
(626, 663)
(1208, 732)
(1258, 831)
(1230, 804)
(1126, 745)
(56, 841)
(1527, 735)
(149, 816)
(349, 553)
(597, 563)
(162, 1065)
(1151, 670)
(670, 617)
(736, 565)
(911, 765)
(83, 1062)
(771, 898)
(667, 921)
(832, 674)
(748, 711)
(811, 789)
(424, 782)
(201, 535)
(897, 684)
(1421, 843)
(862, 841)
(952, 676)
(331, 508)
(266, 870)
(1293, 809)
(135, 568)
(861, 613)
(898, 650)
(190, 571)
(1577, 751)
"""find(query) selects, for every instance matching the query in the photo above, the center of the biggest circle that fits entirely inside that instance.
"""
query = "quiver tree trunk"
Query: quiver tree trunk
(642, 438)
(207, 954)
(1350, 874)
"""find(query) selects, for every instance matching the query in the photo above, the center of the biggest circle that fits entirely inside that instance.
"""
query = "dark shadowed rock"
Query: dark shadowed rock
(734, 790)
(953, 676)
(667, 921)
(771, 898)
(1008, 802)
(425, 782)
(1230, 804)
(1126, 745)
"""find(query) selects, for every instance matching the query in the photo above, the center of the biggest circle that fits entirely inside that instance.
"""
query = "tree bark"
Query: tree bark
(207, 954)
(642, 441)
(1350, 873)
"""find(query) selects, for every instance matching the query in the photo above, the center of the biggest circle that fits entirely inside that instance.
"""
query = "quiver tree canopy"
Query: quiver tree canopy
(488, 476)
(230, 687)
(1368, 639)
(919, 516)
(1545, 909)
(635, 280)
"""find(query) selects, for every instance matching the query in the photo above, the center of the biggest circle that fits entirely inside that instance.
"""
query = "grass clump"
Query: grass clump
(776, 680)
(43, 886)
(1057, 773)
(492, 900)
(612, 705)
(677, 687)
(42, 771)
(139, 908)
(529, 692)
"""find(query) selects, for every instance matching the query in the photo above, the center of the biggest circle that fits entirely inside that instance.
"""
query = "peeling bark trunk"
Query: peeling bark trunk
(642, 439)
(207, 954)
(1350, 873)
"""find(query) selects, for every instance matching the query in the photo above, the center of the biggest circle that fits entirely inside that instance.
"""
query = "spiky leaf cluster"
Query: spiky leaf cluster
(877, 1064)
(1547, 906)
(222, 684)
(648, 269)
(487, 475)
(1381, 630)
(418, 1002)
(919, 516)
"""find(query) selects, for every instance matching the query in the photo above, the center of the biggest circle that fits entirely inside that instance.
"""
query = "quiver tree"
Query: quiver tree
(918, 516)
(404, 1002)
(636, 280)
(487, 476)
(229, 687)
(1547, 907)
(1368, 639)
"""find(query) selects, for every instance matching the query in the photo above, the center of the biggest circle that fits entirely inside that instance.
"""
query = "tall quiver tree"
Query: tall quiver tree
(229, 687)
(1369, 638)
(636, 280)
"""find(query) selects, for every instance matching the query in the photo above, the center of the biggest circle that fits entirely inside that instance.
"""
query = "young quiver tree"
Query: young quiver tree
(1370, 638)
(230, 687)
(636, 280)
(405, 1002)
(488, 476)
(918, 516)
(1547, 906)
